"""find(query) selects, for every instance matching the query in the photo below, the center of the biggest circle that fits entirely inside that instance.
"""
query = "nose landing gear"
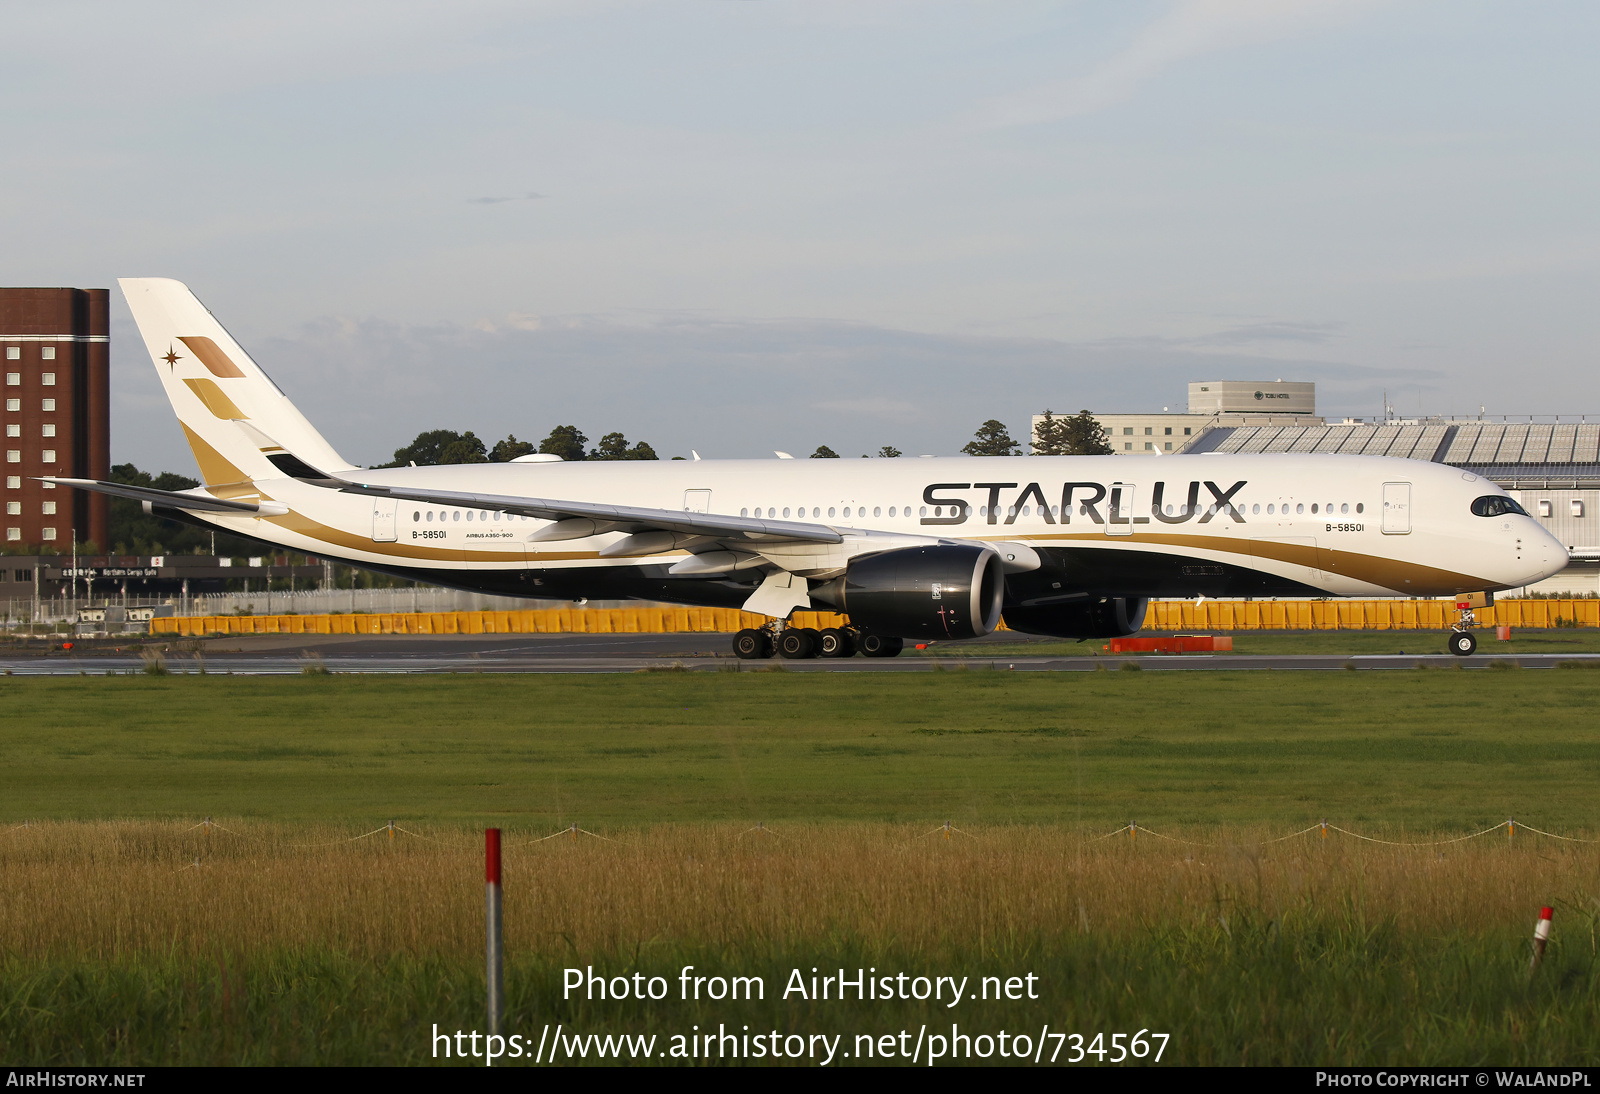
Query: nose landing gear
(1463, 642)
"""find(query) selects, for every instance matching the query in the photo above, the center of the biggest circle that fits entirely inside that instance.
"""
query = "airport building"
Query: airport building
(1212, 403)
(55, 344)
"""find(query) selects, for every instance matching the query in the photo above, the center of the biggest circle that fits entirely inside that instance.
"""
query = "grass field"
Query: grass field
(1429, 750)
(144, 943)
(130, 936)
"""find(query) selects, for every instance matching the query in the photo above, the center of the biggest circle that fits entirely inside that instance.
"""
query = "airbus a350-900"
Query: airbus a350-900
(921, 549)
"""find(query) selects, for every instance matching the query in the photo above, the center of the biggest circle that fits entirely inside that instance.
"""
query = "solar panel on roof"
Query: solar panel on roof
(1305, 439)
(1236, 440)
(1461, 447)
(1263, 437)
(1488, 443)
(1586, 449)
(1378, 443)
(1512, 441)
(1562, 438)
(1538, 447)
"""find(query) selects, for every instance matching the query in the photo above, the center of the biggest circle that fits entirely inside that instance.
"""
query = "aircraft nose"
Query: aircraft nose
(1545, 556)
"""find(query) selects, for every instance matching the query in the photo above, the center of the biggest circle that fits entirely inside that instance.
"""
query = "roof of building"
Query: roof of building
(1503, 452)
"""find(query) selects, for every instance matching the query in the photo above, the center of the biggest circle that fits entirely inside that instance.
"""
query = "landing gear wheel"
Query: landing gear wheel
(835, 642)
(1463, 643)
(798, 643)
(877, 645)
(751, 645)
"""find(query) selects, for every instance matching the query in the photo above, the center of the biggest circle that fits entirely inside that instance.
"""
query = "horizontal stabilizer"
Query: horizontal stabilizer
(173, 499)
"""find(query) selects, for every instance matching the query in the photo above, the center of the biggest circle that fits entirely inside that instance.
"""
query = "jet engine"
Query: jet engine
(1092, 617)
(943, 591)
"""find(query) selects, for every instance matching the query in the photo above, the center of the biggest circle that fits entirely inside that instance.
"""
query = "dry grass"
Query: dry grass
(117, 891)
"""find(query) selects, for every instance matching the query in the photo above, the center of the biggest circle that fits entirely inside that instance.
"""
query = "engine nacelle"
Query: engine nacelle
(1093, 617)
(944, 591)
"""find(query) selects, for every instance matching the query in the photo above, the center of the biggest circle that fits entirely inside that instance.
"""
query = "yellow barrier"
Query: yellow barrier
(529, 621)
(1360, 615)
(1164, 615)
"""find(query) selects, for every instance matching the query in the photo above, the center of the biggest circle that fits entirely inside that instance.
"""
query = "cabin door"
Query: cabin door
(1396, 508)
(383, 520)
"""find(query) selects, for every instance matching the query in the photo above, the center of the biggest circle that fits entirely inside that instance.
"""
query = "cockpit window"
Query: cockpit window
(1496, 505)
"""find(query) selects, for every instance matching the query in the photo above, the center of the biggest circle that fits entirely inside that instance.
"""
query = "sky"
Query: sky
(735, 226)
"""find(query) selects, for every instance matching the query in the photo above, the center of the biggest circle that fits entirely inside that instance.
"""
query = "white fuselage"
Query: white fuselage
(1335, 525)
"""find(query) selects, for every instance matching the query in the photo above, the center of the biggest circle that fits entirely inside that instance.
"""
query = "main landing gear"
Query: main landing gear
(798, 643)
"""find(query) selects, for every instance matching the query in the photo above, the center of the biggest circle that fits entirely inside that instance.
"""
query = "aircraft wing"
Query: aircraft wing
(171, 499)
(622, 518)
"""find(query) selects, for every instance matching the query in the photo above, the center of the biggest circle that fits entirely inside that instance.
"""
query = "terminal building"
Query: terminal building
(55, 344)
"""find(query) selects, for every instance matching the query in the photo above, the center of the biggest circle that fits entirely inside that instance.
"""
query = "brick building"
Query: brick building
(57, 414)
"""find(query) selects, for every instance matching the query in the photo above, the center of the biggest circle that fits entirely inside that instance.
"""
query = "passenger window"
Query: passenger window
(923, 511)
(416, 516)
(830, 510)
(1254, 509)
(457, 515)
(745, 512)
(1301, 508)
(430, 516)
(469, 514)
(877, 512)
(1359, 507)
(891, 510)
(1269, 509)
(785, 510)
(1345, 508)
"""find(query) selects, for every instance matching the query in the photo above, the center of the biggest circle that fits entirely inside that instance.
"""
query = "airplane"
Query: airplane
(922, 549)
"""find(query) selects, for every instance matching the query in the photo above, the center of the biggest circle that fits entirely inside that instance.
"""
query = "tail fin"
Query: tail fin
(213, 385)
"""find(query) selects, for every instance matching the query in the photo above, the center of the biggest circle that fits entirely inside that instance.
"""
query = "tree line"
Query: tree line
(1074, 435)
(438, 446)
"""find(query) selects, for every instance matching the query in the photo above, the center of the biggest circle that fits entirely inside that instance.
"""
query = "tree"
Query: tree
(1080, 435)
(466, 448)
(614, 446)
(566, 441)
(823, 452)
(890, 452)
(509, 449)
(426, 450)
(991, 439)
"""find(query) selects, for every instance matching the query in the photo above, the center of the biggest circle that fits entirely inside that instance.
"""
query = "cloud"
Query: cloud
(1190, 28)
(529, 196)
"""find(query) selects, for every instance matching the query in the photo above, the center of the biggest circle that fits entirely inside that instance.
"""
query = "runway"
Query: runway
(617, 653)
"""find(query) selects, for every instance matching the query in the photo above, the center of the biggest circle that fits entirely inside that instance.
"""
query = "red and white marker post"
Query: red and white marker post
(496, 962)
(1541, 935)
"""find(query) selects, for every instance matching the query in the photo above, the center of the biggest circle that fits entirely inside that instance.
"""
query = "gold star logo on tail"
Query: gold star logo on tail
(171, 357)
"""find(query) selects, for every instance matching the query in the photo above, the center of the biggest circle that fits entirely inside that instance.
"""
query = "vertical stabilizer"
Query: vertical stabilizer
(212, 384)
